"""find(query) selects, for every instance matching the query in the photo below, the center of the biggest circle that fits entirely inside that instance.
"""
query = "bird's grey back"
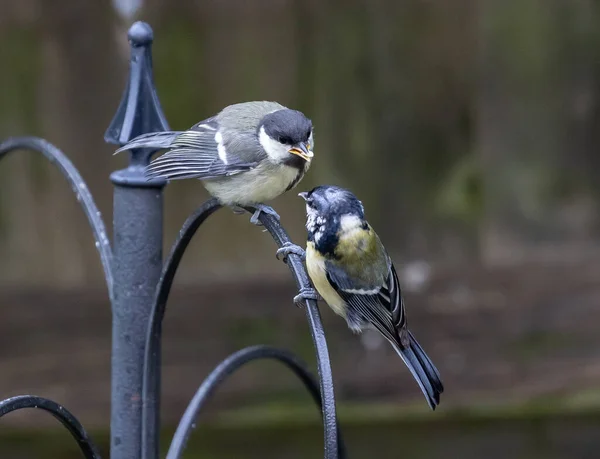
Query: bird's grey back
(246, 115)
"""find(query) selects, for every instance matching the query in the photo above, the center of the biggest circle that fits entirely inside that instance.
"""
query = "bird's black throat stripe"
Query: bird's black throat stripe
(295, 161)
(328, 240)
(294, 182)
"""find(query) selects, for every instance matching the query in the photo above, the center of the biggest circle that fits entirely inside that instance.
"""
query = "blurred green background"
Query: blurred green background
(468, 128)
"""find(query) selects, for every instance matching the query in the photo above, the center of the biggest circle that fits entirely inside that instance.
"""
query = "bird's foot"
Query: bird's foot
(306, 293)
(287, 248)
(238, 210)
(262, 208)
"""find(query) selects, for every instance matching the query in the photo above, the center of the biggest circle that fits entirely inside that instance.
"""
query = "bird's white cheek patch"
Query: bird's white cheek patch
(349, 222)
(220, 147)
(272, 147)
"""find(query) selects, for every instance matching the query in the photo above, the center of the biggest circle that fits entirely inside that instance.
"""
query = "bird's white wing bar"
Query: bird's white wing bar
(382, 306)
(196, 154)
(221, 148)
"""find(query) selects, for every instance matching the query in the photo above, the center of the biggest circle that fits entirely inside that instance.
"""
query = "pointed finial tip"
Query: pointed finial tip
(140, 34)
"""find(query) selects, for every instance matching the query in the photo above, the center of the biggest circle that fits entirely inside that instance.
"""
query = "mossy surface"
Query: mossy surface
(565, 425)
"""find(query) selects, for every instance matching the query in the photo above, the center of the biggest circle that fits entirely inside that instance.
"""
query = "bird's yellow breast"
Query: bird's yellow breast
(315, 264)
(357, 246)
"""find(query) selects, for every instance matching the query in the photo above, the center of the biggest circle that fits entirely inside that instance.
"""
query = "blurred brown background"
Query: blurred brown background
(468, 128)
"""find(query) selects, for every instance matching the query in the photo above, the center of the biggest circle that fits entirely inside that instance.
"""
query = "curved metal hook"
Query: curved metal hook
(82, 192)
(20, 402)
(151, 383)
(226, 368)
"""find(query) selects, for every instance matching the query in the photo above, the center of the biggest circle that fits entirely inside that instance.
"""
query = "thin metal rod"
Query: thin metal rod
(226, 368)
(152, 356)
(84, 441)
(318, 335)
(82, 193)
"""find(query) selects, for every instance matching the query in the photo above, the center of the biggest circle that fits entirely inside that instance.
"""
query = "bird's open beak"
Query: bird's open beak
(303, 194)
(302, 150)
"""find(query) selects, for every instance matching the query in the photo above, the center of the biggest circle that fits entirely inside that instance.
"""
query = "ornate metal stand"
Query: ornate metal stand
(139, 284)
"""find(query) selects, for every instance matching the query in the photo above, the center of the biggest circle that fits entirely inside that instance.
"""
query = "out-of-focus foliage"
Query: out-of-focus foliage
(466, 127)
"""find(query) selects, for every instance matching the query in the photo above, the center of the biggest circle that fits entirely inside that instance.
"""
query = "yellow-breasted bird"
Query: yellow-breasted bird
(353, 273)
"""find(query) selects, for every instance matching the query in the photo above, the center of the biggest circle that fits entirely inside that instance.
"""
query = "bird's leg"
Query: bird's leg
(262, 208)
(237, 210)
(306, 293)
(288, 248)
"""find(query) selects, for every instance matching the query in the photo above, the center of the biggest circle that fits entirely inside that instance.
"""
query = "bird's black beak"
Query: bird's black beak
(303, 194)
(302, 150)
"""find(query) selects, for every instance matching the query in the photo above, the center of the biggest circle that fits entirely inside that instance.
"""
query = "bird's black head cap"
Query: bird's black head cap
(289, 127)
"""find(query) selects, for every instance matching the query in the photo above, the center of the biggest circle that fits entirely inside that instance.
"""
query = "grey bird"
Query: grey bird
(247, 154)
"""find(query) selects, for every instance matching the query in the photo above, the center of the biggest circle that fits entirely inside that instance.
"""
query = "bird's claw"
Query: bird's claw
(238, 210)
(287, 248)
(306, 293)
(262, 208)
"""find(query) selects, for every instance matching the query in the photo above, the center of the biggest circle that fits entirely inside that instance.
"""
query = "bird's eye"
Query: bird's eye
(308, 134)
(285, 140)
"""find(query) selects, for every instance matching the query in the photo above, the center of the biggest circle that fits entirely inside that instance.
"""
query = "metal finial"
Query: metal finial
(140, 34)
(139, 111)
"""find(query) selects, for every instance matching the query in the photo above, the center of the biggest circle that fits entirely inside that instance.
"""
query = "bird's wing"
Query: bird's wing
(380, 304)
(201, 152)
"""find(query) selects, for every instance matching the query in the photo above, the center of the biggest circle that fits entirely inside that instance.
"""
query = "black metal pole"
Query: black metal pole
(137, 246)
(137, 267)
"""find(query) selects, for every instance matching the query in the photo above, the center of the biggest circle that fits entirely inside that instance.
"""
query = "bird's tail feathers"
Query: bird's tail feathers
(155, 140)
(432, 372)
(422, 369)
